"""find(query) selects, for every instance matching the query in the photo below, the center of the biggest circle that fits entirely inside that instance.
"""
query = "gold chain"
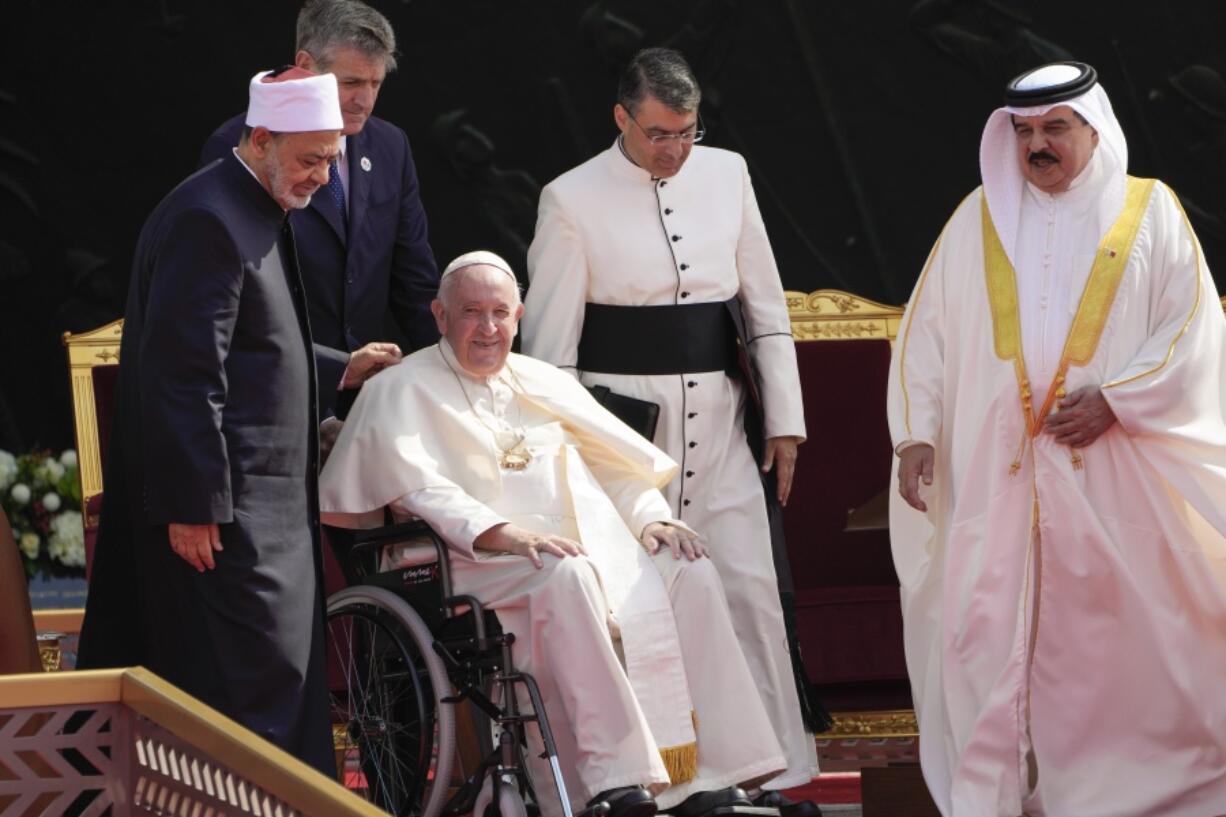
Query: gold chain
(514, 457)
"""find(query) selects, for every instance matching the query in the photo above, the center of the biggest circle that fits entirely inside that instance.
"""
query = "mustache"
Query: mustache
(1042, 155)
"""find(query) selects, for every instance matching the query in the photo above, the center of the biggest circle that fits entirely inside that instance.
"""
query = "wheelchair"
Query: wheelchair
(404, 653)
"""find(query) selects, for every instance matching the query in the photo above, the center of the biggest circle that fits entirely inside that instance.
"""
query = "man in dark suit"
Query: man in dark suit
(207, 567)
(362, 242)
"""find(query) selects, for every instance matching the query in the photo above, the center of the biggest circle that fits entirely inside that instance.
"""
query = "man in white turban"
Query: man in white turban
(207, 564)
(552, 510)
(1056, 398)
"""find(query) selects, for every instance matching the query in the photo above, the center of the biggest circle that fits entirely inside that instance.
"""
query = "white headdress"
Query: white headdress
(1034, 93)
(294, 100)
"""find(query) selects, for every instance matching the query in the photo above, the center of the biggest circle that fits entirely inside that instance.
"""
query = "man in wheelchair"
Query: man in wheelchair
(551, 508)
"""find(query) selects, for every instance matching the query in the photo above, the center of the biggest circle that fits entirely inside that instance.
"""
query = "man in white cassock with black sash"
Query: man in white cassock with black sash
(649, 261)
(1056, 398)
(552, 510)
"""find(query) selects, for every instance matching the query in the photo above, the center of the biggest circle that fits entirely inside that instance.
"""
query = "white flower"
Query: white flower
(67, 541)
(51, 502)
(29, 544)
(49, 471)
(8, 469)
(69, 458)
(20, 493)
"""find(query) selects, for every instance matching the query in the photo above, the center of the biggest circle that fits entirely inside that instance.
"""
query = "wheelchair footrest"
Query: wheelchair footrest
(740, 811)
(600, 809)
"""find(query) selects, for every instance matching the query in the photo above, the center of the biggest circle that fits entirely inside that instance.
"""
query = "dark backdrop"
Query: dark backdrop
(860, 121)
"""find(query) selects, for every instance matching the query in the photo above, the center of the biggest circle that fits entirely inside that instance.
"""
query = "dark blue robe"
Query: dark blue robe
(215, 422)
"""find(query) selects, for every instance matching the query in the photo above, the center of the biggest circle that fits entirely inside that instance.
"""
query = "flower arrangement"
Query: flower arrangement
(41, 496)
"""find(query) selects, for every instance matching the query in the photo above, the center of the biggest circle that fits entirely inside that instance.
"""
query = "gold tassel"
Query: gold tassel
(681, 762)
(1078, 462)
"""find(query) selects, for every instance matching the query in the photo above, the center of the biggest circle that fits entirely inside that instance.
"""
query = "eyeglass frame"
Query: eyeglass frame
(660, 139)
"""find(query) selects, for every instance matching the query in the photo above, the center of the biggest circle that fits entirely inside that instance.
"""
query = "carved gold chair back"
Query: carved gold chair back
(98, 347)
(831, 314)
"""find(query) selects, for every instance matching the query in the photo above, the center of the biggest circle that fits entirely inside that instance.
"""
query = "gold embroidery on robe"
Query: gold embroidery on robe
(1096, 299)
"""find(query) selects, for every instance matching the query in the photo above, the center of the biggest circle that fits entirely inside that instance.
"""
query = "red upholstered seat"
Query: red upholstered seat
(847, 595)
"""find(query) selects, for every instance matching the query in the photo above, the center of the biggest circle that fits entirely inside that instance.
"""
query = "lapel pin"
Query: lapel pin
(365, 164)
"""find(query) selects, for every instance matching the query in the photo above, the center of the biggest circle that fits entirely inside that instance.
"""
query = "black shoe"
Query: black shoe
(702, 802)
(627, 801)
(787, 807)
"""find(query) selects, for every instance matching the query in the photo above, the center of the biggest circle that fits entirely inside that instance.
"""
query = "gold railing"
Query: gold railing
(141, 746)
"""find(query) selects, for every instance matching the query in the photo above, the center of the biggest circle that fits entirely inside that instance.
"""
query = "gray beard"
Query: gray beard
(282, 191)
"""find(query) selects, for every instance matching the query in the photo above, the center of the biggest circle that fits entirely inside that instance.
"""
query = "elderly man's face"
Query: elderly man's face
(295, 164)
(358, 77)
(652, 117)
(479, 315)
(1053, 148)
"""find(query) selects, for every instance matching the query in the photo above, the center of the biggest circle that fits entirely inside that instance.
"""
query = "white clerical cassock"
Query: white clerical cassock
(1065, 608)
(426, 438)
(609, 235)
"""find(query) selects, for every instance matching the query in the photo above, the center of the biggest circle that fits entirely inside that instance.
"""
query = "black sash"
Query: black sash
(668, 339)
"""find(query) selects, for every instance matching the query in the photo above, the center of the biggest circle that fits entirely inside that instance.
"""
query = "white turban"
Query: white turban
(1003, 182)
(294, 101)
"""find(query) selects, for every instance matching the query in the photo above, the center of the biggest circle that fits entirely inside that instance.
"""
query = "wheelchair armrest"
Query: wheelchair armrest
(390, 534)
(456, 605)
(369, 543)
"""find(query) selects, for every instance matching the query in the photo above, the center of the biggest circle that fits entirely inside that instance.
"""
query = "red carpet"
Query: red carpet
(830, 788)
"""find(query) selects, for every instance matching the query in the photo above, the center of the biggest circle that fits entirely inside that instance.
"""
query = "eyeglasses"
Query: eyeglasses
(685, 137)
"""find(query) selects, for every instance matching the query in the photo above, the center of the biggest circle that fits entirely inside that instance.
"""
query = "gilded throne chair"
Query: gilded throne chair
(848, 613)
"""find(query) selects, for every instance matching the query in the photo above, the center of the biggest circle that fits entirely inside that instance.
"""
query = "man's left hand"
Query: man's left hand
(1083, 417)
(680, 541)
(781, 455)
(369, 360)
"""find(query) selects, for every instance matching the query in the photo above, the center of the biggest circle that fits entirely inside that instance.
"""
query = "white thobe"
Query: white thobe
(1064, 611)
(562, 614)
(608, 233)
(1057, 237)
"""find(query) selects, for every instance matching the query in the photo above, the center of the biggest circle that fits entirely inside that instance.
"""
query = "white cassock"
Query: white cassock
(1065, 609)
(682, 716)
(607, 233)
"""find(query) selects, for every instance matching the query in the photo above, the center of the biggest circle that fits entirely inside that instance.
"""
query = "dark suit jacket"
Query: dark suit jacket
(215, 422)
(382, 261)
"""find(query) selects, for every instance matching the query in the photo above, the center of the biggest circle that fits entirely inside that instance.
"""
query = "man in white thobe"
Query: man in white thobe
(636, 256)
(1056, 397)
(544, 498)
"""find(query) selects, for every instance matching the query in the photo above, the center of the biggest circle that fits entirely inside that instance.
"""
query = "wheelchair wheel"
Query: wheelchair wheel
(396, 736)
